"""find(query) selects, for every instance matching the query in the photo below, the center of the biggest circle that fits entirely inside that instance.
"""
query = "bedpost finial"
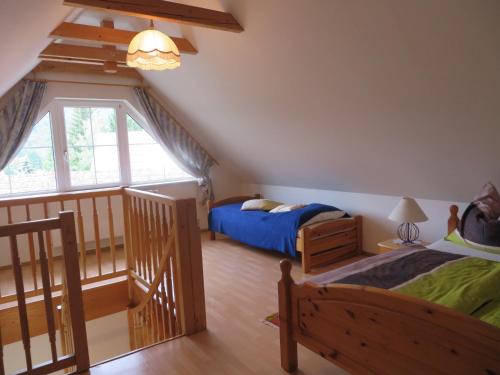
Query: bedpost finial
(286, 268)
(454, 209)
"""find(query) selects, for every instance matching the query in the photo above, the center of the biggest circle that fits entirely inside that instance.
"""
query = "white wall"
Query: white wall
(373, 208)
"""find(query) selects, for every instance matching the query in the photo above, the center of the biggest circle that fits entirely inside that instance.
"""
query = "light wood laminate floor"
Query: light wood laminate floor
(240, 288)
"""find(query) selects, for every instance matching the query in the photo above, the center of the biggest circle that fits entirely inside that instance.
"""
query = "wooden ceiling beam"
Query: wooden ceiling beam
(72, 67)
(70, 51)
(105, 35)
(165, 11)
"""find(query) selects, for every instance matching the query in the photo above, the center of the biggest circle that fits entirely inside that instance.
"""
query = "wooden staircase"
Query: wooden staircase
(159, 280)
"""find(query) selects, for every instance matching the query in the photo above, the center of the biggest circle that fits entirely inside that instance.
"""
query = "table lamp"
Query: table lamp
(408, 212)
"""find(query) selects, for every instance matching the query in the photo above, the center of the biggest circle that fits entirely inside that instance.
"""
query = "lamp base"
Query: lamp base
(408, 233)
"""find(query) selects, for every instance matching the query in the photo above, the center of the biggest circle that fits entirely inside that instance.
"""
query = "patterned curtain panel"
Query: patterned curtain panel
(18, 111)
(177, 142)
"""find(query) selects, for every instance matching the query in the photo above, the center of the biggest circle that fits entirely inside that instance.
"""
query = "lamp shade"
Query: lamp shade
(153, 50)
(408, 211)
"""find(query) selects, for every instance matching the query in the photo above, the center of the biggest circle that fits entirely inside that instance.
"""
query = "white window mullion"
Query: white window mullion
(60, 148)
(123, 149)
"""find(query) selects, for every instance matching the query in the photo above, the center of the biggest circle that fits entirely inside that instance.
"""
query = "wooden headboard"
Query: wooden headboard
(453, 220)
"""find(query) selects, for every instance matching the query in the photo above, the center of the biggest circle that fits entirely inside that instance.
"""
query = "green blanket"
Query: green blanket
(469, 285)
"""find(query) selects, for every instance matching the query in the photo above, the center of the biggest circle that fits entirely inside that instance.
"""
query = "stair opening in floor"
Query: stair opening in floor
(140, 270)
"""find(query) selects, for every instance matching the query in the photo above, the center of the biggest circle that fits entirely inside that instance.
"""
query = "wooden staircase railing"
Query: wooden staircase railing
(66, 225)
(98, 216)
(165, 275)
(152, 239)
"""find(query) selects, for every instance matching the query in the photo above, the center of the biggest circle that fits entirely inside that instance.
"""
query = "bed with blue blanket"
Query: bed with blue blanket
(320, 244)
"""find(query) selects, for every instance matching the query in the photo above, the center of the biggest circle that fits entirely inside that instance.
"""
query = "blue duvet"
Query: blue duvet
(271, 231)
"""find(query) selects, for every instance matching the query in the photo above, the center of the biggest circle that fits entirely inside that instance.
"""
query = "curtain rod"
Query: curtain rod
(158, 99)
(88, 83)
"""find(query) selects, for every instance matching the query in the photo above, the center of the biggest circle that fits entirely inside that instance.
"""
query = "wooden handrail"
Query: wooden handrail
(59, 197)
(153, 197)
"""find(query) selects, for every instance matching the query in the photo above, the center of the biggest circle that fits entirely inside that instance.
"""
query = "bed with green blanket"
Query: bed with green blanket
(415, 310)
(466, 283)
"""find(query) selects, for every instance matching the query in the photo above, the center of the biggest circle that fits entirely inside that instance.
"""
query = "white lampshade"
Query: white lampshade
(153, 50)
(408, 211)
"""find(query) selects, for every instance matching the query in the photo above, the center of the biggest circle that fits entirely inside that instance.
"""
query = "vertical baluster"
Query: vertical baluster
(168, 274)
(47, 295)
(2, 367)
(61, 209)
(144, 333)
(132, 236)
(159, 246)
(111, 234)
(136, 235)
(141, 238)
(49, 246)
(21, 300)
(145, 317)
(167, 331)
(154, 251)
(131, 330)
(129, 262)
(147, 240)
(81, 237)
(9, 215)
(151, 308)
(154, 256)
(31, 244)
(97, 237)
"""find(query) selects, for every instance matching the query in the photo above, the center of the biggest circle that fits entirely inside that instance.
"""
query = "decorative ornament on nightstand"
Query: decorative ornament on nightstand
(408, 212)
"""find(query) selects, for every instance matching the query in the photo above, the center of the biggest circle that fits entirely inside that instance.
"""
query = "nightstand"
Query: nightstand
(394, 244)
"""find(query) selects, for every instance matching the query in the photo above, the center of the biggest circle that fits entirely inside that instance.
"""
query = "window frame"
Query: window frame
(60, 148)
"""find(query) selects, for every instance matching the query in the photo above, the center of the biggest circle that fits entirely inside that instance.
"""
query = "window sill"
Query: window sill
(145, 186)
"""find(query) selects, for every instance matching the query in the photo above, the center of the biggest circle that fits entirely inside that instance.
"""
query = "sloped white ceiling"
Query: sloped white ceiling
(24, 26)
(389, 96)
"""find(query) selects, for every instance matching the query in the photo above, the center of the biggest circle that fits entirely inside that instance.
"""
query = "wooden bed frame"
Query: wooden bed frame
(368, 330)
(322, 243)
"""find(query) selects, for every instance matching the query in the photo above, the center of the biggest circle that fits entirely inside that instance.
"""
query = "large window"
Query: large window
(86, 144)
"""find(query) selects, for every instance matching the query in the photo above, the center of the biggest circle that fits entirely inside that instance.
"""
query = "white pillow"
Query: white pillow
(259, 205)
(324, 216)
(286, 208)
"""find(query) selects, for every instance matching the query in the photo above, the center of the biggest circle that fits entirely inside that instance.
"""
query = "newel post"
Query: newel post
(189, 267)
(288, 346)
(73, 284)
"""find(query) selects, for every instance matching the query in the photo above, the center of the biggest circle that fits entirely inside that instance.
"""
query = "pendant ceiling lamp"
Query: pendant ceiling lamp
(153, 50)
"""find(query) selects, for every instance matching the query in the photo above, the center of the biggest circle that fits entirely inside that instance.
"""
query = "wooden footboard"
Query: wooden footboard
(330, 241)
(368, 330)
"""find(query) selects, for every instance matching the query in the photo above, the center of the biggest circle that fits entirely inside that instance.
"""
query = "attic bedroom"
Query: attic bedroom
(250, 187)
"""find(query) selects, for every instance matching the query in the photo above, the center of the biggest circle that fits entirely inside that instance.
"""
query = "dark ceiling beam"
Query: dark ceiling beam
(164, 11)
